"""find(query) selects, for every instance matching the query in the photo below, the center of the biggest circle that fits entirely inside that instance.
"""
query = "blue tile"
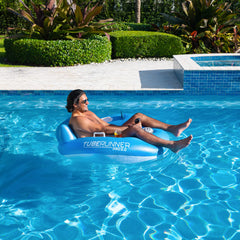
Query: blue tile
(217, 82)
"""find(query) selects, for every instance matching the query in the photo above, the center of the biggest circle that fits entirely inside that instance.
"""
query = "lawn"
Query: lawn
(2, 55)
(2, 52)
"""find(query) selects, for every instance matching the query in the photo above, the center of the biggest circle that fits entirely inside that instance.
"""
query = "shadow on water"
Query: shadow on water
(25, 176)
(4, 139)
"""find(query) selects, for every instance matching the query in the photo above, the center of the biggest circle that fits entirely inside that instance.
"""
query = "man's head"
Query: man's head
(73, 99)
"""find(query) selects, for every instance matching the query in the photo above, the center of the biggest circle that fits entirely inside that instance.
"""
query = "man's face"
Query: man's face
(82, 105)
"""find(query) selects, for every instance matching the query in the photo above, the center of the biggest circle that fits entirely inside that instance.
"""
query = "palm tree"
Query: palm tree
(138, 11)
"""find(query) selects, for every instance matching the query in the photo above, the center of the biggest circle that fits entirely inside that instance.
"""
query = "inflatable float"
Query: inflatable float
(99, 147)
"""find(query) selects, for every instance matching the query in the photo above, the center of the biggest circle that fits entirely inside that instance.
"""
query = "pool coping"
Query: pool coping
(92, 92)
(189, 64)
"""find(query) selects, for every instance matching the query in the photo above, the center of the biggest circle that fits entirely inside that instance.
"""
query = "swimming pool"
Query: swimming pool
(190, 195)
(197, 76)
(217, 61)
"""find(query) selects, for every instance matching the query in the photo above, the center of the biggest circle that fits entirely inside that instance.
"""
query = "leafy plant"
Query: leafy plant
(81, 23)
(207, 26)
(45, 20)
(62, 20)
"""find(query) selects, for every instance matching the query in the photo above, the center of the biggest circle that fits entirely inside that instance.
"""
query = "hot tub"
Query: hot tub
(217, 74)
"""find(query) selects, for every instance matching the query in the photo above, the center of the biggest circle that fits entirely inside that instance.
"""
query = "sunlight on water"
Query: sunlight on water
(190, 195)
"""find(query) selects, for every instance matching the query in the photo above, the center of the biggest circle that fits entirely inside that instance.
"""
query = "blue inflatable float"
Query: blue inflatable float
(128, 149)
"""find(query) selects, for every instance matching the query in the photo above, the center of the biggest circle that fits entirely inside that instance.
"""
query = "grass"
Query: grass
(3, 62)
(2, 52)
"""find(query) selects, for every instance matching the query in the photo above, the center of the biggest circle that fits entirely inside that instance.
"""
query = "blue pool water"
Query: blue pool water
(194, 194)
(217, 61)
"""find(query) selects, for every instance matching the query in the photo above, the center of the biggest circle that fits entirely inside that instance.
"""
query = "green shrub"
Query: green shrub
(59, 52)
(124, 26)
(139, 26)
(131, 44)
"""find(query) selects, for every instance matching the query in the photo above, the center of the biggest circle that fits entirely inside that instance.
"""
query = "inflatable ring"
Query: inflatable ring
(128, 149)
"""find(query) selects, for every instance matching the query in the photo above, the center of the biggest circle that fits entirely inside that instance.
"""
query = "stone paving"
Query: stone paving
(113, 75)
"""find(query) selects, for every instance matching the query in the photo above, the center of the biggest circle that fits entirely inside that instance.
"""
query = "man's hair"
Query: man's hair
(73, 98)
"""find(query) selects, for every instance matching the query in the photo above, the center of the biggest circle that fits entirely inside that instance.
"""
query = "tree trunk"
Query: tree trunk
(138, 11)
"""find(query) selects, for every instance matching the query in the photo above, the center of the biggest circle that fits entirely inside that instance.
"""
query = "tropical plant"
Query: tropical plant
(61, 19)
(45, 20)
(207, 26)
(80, 20)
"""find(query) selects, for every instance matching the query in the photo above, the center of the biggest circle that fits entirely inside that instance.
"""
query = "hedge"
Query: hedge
(139, 26)
(133, 44)
(125, 26)
(57, 53)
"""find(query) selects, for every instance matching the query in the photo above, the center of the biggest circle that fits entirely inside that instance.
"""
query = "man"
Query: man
(84, 123)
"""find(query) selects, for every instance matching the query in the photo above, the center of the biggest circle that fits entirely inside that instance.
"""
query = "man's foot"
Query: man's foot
(178, 129)
(178, 145)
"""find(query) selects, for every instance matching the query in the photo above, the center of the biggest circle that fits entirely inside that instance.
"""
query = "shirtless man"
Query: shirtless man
(84, 123)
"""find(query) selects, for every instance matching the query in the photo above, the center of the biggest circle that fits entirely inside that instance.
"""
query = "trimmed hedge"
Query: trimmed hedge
(57, 53)
(125, 26)
(139, 26)
(133, 44)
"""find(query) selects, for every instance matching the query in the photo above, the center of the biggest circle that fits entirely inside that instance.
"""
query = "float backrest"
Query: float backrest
(65, 133)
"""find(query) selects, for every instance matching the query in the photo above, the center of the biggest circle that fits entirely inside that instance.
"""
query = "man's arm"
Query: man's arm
(109, 129)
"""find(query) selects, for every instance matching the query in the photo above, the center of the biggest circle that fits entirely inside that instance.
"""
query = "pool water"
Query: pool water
(194, 194)
(218, 61)
(227, 63)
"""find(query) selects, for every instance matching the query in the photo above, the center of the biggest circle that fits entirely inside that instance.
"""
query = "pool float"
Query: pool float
(127, 149)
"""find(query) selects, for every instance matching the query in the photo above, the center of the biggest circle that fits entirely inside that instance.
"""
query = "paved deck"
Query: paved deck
(115, 75)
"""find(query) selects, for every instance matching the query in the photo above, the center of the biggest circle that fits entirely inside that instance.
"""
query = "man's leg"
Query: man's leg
(154, 123)
(137, 131)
